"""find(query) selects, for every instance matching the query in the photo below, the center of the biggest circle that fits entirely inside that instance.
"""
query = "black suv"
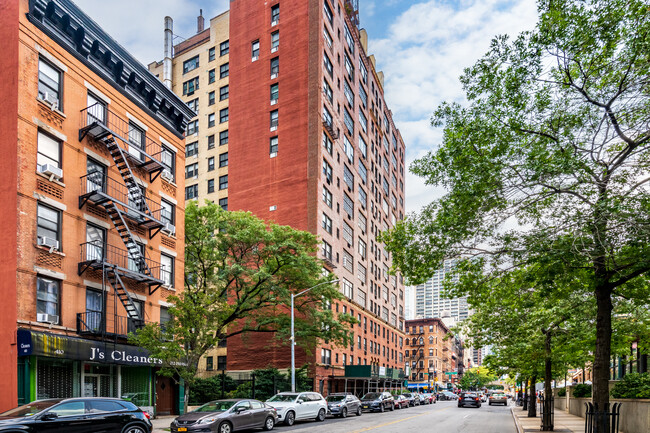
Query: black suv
(76, 415)
(378, 401)
(343, 403)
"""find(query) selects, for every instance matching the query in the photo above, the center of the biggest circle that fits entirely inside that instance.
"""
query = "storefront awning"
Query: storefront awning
(61, 346)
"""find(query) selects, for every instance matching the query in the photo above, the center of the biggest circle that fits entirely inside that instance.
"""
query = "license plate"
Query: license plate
(182, 429)
(365, 406)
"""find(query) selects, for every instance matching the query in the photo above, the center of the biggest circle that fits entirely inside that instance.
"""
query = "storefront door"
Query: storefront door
(164, 395)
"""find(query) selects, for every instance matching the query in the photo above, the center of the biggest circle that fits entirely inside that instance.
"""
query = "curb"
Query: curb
(516, 420)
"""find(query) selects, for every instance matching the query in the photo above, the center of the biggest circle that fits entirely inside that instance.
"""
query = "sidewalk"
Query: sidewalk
(161, 424)
(563, 422)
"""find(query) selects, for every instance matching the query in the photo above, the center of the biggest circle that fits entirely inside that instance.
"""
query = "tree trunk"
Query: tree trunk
(186, 398)
(547, 424)
(600, 389)
(525, 405)
(532, 406)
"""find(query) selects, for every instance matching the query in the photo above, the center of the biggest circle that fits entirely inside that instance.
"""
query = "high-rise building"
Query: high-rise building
(313, 145)
(429, 301)
(91, 209)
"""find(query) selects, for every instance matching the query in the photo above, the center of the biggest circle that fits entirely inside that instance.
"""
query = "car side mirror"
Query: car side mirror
(240, 409)
(299, 401)
(49, 416)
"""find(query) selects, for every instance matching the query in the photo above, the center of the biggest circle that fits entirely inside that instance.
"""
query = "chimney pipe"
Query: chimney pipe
(200, 22)
(169, 47)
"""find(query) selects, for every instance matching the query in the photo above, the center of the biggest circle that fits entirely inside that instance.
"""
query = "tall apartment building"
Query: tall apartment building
(314, 146)
(91, 204)
(199, 72)
(429, 301)
(433, 355)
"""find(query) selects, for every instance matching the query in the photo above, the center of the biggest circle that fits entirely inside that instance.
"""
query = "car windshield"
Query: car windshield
(371, 396)
(216, 406)
(335, 397)
(283, 397)
(29, 409)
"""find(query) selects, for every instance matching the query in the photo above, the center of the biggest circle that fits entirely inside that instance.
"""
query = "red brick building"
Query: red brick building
(313, 145)
(92, 244)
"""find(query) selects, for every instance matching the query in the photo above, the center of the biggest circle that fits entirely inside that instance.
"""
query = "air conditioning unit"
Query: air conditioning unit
(51, 99)
(169, 228)
(52, 244)
(166, 175)
(52, 319)
(51, 170)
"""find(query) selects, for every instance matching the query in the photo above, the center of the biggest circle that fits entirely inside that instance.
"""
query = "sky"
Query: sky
(422, 46)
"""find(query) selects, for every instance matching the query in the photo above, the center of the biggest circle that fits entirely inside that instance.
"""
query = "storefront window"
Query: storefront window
(55, 378)
(135, 385)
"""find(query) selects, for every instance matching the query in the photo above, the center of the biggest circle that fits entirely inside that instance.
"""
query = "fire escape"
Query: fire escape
(128, 208)
(418, 355)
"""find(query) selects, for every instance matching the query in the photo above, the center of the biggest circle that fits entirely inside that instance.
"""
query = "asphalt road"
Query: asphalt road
(443, 416)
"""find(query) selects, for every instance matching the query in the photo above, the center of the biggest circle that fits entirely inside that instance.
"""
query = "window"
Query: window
(190, 64)
(210, 186)
(191, 192)
(275, 67)
(211, 54)
(96, 176)
(327, 224)
(167, 269)
(363, 71)
(224, 70)
(327, 251)
(327, 197)
(211, 141)
(48, 223)
(211, 98)
(348, 177)
(328, 65)
(212, 75)
(255, 50)
(349, 123)
(47, 298)
(223, 202)
(49, 150)
(224, 93)
(211, 163)
(192, 127)
(223, 115)
(275, 41)
(274, 119)
(348, 205)
(327, 117)
(328, 12)
(363, 198)
(190, 86)
(49, 83)
(327, 90)
(274, 93)
(167, 211)
(363, 121)
(209, 363)
(349, 68)
(191, 149)
(348, 263)
(327, 171)
(223, 182)
(326, 356)
(363, 147)
(363, 96)
(328, 37)
(327, 143)
(348, 234)
(194, 105)
(224, 48)
(348, 149)
(349, 96)
(273, 145)
(362, 248)
(221, 363)
(210, 120)
(348, 37)
(363, 172)
(223, 160)
(191, 170)
(361, 273)
(275, 14)
(223, 138)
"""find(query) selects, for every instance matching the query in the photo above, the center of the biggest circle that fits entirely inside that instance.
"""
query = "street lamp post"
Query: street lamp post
(293, 337)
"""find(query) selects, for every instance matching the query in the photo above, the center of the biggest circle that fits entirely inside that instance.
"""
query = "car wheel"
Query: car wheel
(392, 407)
(225, 427)
(321, 415)
(269, 423)
(290, 418)
(490, 404)
(381, 408)
(133, 429)
(359, 411)
(344, 413)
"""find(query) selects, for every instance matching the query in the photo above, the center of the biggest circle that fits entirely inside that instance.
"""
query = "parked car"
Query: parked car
(226, 416)
(428, 398)
(377, 401)
(99, 415)
(341, 404)
(401, 402)
(413, 398)
(498, 399)
(292, 406)
(469, 399)
(448, 395)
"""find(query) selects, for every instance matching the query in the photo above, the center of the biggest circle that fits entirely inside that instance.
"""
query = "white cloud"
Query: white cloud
(422, 55)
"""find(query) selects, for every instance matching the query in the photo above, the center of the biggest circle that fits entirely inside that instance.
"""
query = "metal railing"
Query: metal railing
(137, 147)
(548, 419)
(602, 421)
(98, 323)
(102, 253)
(99, 183)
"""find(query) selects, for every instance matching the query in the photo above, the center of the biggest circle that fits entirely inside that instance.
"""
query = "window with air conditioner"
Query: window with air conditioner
(47, 300)
(48, 222)
(50, 84)
(48, 157)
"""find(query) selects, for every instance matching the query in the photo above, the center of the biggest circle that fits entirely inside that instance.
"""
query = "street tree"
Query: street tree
(549, 157)
(240, 273)
(477, 378)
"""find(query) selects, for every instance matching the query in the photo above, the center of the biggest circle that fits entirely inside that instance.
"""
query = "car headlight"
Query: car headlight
(206, 420)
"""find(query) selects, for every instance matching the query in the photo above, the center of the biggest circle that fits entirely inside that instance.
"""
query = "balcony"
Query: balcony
(100, 123)
(99, 189)
(107, 325)
(96, 255)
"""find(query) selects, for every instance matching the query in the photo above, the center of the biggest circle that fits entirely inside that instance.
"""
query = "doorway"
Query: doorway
(165, 395)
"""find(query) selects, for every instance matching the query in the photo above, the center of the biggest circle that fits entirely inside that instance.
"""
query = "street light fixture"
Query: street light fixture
(293, 337)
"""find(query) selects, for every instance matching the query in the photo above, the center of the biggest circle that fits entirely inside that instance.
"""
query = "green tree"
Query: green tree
(477, 378)
(549, 158)
(239, 276)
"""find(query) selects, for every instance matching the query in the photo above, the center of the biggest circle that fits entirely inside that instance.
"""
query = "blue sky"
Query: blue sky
(422, 46)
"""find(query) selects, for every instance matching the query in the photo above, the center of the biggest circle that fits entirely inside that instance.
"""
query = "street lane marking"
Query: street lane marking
(395, 422)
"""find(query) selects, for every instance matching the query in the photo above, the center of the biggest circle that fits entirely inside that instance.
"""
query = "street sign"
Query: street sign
(451, 373)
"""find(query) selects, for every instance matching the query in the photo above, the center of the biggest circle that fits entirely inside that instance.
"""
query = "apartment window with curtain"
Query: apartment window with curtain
(47, 299)
(275, 67)
(274, 119)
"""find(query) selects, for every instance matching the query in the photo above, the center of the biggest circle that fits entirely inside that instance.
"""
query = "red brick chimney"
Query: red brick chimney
(200, 22)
